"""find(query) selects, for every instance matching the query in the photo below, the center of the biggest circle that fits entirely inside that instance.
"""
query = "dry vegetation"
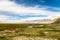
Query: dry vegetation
(29, 32)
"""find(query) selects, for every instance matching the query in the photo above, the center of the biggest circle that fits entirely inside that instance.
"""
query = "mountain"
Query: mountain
(43, 21)
(56, 21)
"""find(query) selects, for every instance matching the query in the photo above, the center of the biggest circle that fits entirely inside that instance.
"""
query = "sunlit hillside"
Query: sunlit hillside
(56, 21)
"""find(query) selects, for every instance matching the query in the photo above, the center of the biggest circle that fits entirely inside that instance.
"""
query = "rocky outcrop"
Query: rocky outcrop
(56, 21)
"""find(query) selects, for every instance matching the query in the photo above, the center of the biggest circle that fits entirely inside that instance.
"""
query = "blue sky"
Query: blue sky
(52, 3)
(22, 10)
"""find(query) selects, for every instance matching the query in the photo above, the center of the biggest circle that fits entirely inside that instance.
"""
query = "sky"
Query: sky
(18, 11)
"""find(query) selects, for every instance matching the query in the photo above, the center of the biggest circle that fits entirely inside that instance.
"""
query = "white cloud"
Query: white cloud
(8, 19)
(4, 18)
(7, 5)
(19, 9)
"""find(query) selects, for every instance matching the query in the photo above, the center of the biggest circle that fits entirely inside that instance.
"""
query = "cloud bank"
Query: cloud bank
(16, 9)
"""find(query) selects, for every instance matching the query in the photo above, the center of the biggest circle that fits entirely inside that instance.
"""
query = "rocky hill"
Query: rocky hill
(56, 21)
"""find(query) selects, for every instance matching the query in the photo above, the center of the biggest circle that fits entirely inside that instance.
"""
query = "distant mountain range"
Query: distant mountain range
(39, 21)
(44, 21)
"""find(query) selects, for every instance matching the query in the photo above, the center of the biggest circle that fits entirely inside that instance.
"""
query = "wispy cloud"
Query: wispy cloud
(18, 10)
